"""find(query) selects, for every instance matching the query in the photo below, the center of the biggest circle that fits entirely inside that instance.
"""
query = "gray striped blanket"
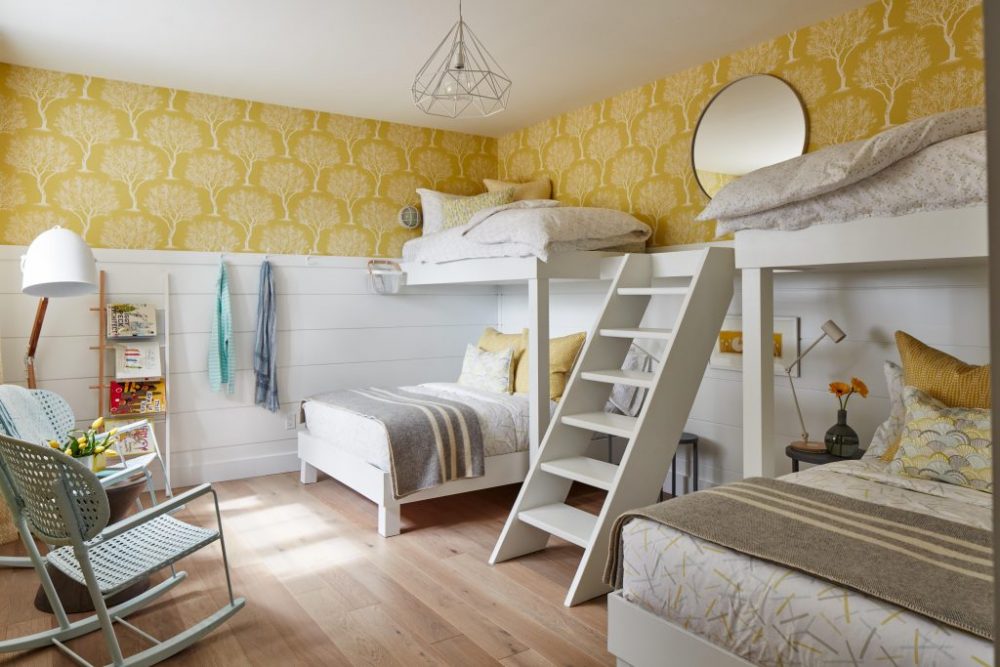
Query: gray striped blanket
(938, 568)
(432, 440)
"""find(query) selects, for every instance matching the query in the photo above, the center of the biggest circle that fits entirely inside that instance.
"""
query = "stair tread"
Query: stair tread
(653, 291)
(559, 519)
(636, 332)
(603, 422)
(632, 378)
(592, 472)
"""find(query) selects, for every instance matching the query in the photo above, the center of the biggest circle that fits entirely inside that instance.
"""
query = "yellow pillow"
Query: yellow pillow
(457, 212)
(942, 376)
(562, 355)
(494, 341)
(538, 189)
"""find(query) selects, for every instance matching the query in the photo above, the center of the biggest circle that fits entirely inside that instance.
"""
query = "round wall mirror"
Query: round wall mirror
(751, 123)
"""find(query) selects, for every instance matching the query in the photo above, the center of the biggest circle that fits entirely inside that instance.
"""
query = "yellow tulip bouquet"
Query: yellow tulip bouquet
(81, 444)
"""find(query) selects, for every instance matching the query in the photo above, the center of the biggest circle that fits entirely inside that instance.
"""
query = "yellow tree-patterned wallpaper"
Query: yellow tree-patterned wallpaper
(859, 73)
(133, 166)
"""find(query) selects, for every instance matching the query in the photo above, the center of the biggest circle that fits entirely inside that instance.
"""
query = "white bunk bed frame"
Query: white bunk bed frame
(316, 455)
(639, 638)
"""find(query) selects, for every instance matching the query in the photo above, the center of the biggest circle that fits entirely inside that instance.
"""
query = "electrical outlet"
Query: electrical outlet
(291, 420)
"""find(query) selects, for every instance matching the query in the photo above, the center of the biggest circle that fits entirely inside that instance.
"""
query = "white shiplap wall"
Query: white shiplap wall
(945, 307)
(332, 334)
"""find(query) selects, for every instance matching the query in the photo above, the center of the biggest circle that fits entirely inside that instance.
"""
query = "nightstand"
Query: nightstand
(817, 458)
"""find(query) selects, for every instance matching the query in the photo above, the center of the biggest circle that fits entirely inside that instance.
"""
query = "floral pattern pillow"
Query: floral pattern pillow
(457, 212)
(489, 371)
(886, 439)
(952, 445)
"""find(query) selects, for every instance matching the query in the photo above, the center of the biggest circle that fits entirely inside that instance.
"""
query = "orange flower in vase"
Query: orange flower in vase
(841, 439)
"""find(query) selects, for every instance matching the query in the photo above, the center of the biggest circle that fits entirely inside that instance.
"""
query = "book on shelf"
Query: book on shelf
(143, 397)
(131, 320)
(137, 360)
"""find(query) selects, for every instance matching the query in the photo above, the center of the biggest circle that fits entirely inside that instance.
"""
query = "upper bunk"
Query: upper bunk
(926, 238)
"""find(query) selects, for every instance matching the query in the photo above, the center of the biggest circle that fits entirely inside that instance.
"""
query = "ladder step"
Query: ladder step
(559, 519)
(603, 422)
(658, 334)
(653, 291)
(641, 379)
(583, 469)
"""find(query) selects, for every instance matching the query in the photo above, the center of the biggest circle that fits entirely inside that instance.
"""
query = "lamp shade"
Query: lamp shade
(58, 263)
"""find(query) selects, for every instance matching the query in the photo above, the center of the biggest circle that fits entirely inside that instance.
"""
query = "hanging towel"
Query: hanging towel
(220, 347)
(265, 352)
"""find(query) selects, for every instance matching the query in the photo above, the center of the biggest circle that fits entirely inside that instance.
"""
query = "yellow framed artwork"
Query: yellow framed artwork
(728, 351)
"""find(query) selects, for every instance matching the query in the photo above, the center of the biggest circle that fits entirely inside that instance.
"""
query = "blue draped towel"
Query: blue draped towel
(265, 352)
(220, 347)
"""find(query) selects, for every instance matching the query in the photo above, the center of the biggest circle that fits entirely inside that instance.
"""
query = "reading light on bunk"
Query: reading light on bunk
(461, 78)
(836, 334)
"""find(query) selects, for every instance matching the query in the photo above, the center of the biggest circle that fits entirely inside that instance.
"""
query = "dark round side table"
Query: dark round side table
(817, 458)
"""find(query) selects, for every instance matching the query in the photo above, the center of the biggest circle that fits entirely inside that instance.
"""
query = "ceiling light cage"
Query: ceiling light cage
(461, 78)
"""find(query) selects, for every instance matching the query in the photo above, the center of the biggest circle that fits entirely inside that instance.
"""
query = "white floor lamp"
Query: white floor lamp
(58, 263)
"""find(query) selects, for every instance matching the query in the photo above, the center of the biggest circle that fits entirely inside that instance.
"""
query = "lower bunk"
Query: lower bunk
(687, 600)
(356, 449)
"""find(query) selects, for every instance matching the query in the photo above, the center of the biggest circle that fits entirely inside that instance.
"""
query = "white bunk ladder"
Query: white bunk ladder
(540, 509)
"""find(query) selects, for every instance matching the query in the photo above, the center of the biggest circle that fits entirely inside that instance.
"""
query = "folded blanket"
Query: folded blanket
(837, 166)
(432, 440)
(934, 567)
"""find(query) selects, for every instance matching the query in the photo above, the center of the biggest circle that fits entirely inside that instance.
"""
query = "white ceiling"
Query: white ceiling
(359, 57)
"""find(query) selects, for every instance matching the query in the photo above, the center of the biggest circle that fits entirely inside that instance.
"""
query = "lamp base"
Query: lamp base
(810, 447)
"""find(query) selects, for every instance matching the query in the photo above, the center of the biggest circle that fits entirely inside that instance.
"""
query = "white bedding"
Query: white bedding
(950, 174)
(536, 228)
(771, 615)
(502, 417)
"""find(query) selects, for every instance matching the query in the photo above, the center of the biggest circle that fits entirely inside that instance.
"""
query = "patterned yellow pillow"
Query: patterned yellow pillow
(538, 189)
(952, 445)
(562, 355)
(457, 212)
(942, 376)
(489, 371)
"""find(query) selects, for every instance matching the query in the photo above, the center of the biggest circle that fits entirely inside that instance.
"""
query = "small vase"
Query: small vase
(95, 462)
(841, 439)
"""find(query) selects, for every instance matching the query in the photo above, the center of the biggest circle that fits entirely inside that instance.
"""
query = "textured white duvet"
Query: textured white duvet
(535, 228)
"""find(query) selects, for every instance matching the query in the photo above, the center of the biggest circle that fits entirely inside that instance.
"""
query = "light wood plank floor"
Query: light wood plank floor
(323, 588)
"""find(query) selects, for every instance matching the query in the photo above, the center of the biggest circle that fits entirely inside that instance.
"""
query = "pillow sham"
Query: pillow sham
(942, 376)
(457, 212)
(885, 442)
(495, 341)
(562, 355)
(951, 445)
(431, 203)
(489, 371)
(540, 188)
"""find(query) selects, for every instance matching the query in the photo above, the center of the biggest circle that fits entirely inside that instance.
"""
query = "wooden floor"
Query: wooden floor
(323, 588)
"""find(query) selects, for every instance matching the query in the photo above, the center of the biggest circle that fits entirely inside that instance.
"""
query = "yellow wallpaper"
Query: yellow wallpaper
(859, 73)
(133, 166)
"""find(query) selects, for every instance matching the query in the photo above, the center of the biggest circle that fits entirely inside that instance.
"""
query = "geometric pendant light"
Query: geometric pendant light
(461, 78)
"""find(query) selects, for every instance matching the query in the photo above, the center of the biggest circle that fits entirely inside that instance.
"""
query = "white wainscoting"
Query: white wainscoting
(332, 334)
(945, 307)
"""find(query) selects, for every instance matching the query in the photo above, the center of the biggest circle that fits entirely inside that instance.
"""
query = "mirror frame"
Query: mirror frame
(701, 116)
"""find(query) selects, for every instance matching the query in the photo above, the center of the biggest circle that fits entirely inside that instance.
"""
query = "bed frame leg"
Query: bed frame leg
(307, 473)
(388, 519)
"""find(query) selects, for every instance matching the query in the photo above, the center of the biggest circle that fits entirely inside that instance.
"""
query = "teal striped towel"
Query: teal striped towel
(220, 346)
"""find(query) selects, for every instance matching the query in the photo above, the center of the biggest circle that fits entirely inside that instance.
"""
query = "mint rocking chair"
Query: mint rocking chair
(62, 503)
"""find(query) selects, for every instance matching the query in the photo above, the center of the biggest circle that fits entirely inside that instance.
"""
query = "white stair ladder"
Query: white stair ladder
(540, 509)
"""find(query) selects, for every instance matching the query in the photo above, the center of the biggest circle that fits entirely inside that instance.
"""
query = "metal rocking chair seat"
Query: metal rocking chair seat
(122, 560)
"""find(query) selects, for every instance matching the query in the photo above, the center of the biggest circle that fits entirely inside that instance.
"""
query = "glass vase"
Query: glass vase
(841, 439)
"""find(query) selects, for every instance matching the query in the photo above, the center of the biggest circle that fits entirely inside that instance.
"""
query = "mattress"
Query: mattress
(503, 419)
(771, 615)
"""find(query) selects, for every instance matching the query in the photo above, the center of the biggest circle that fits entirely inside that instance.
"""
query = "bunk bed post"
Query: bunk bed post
(758, 373)
(538, 354)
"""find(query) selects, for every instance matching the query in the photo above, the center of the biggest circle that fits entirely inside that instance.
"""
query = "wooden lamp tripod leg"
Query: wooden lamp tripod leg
(36, 332)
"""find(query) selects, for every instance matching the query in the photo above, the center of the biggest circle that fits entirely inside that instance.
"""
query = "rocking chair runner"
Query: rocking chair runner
(62, 503)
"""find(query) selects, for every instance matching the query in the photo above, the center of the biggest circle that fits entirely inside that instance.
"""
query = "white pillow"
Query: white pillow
(431, 203)
(489, 371)
(890, 431)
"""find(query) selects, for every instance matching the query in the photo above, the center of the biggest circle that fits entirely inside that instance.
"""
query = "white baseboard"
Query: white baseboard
(223, 471)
